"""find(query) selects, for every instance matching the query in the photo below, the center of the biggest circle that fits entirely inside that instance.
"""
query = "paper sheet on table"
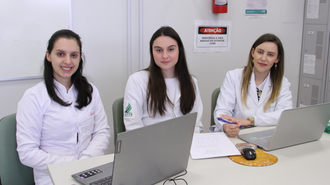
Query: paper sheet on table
(209, 145)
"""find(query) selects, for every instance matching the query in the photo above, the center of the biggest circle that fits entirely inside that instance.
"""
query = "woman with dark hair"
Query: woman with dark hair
(257, 94)
(165, 89)
(62, 118)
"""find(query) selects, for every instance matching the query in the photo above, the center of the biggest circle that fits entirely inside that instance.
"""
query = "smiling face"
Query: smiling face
(165, 51)
(264, 57)
(65, 58)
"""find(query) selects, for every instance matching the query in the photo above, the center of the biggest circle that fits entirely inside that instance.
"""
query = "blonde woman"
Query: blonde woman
(257, 94)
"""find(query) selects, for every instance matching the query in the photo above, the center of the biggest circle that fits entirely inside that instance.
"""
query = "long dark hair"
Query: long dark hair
(276, 73)
(156, 93)
(80, 82)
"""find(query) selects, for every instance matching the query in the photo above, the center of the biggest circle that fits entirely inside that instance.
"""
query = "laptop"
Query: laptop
(295, 126)
(147, 155)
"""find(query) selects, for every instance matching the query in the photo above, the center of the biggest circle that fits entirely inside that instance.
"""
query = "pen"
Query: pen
(226, 121)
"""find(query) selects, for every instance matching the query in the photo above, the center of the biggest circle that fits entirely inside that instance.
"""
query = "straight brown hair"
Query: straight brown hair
(276, 74)
(156, 92)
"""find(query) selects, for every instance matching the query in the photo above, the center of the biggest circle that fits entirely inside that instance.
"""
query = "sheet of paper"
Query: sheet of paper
(309, 64)
(209, 145)
(313, 9)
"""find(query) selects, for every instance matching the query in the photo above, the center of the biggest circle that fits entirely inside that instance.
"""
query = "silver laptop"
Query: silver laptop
(146, 155)
(295, 126)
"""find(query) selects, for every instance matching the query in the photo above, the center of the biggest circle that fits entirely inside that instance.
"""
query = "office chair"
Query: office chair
(118, 117)
(12, 171)
(214, 99)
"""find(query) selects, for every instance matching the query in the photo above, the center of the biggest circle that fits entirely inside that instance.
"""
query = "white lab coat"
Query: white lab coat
(49, 133)
(229, 101)
(135, 103)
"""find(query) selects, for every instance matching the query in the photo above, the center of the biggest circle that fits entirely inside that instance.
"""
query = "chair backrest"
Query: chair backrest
(118, 117)
(12, 171)
(214, 99)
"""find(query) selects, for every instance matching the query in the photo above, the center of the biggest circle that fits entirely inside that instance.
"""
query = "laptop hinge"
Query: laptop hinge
(118, 148)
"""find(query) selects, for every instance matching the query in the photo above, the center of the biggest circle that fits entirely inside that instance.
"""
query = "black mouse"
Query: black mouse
(249, 153)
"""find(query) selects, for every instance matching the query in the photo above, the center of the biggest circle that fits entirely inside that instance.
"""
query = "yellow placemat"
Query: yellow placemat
(263, 159)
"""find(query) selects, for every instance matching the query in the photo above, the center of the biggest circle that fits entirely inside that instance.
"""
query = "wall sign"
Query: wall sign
(212, 36)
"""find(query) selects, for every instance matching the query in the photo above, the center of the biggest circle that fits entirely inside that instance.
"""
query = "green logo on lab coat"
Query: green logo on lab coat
(128, 111)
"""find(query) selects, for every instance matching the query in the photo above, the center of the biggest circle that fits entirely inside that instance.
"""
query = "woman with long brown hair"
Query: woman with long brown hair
(165, 89)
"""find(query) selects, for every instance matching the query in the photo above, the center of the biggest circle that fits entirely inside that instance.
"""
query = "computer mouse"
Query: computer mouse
(249, 153)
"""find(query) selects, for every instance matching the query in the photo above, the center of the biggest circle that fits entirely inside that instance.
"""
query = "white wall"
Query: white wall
(102, 24)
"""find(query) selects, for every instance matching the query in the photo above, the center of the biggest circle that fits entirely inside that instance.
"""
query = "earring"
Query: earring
(275, 66)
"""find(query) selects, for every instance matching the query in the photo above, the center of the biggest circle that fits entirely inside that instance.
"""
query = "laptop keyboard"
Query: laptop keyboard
(105, 181)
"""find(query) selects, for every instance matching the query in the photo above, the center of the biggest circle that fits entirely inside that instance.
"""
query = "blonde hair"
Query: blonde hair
(276, 74)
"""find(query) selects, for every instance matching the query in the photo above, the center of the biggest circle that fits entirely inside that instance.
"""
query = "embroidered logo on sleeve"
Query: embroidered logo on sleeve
(128, 111)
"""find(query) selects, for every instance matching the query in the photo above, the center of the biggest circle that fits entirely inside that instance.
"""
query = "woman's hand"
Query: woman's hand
(231, 129)
(241, 122)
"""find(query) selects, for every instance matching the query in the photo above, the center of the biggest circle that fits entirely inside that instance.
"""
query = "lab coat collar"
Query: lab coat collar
(60, 87)
(265, 91)
(63, 93)
(252, 90)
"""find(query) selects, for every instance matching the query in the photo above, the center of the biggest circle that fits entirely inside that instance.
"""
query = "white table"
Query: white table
(307, 163)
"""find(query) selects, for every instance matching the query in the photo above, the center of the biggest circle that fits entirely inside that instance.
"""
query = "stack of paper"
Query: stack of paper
(209, 145)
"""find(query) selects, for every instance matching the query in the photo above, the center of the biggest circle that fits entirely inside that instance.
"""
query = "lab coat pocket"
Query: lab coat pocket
(86, 127)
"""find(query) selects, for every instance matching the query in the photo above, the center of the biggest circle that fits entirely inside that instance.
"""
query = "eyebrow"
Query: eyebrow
(167, 47)
(259, 49)
(59, 50)
(272, 52)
